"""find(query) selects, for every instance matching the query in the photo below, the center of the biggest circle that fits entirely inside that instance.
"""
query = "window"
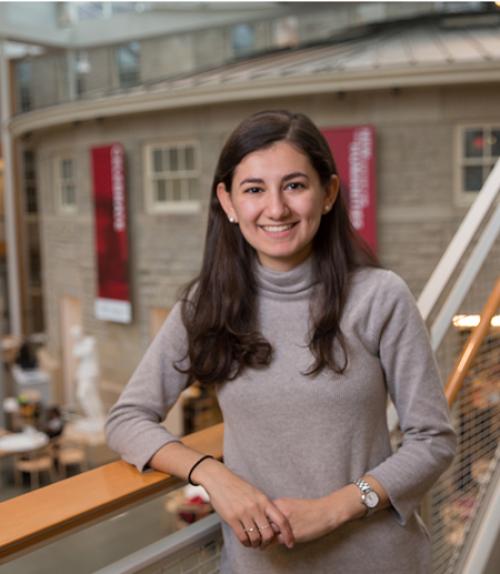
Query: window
(127, 60)
(24, 74)
(243, 39)
(65, 181)
(75, 11)
(172, 173)
(35, 267)
(82, 70)
(480, 148)
(127, 7)
(30, 195)
(90, 10)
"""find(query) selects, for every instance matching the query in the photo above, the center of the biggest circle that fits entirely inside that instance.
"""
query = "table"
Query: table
(18, 443)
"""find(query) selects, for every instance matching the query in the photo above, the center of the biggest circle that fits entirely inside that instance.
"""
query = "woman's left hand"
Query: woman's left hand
(310, 518)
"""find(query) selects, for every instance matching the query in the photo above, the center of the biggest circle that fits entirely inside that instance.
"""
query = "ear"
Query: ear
(331, 193)
(226, 202)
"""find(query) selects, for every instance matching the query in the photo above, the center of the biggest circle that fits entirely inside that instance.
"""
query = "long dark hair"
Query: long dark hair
(219, 306)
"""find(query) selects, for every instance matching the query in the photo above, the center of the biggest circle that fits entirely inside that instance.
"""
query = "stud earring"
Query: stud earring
(232, 219)
(327, 208)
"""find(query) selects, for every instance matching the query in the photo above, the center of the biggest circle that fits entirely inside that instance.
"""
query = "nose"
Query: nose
(277, 207)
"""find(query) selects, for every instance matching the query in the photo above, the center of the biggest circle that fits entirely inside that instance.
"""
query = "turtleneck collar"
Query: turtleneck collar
(294, 284)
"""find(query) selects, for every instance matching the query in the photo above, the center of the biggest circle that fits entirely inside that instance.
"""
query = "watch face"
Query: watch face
(371, 499)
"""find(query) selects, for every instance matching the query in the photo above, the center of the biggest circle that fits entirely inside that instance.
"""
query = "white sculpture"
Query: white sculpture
(87, 378)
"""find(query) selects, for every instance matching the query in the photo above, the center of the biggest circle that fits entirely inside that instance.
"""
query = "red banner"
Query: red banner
(111, 234)
(353, 149)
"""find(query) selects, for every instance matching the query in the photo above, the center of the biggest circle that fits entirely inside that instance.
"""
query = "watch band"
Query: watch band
(366, 489)
(363, 486)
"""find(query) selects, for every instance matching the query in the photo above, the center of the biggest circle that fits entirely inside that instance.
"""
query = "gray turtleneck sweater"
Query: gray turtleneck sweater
(295, 436)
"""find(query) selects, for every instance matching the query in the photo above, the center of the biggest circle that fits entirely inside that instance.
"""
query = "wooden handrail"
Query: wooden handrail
(471, 347)
(46, 513)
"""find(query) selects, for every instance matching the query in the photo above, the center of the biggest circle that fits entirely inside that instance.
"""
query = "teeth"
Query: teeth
(277, 228)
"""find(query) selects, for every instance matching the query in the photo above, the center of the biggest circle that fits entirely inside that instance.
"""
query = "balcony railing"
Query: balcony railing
(43, 515)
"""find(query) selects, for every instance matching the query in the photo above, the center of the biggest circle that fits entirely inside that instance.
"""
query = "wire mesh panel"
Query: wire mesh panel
(457, 498)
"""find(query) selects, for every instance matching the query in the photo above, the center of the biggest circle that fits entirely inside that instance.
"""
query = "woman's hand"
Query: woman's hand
(312, 518)
(255, 519)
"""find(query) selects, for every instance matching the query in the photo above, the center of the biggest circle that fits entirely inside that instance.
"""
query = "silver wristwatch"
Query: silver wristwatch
(368, 496)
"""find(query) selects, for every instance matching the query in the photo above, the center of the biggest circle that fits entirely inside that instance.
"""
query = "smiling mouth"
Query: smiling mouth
(278, 228)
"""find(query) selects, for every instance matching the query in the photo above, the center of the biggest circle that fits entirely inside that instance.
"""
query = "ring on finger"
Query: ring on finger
(251, 529)
(262, 527)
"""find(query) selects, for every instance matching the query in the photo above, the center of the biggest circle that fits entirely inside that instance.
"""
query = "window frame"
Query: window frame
(62, 207)
(82, 69)
(30, 192)
(154, 207)
(466, 198)
(127, 78)
(240, 49)
(24, 85)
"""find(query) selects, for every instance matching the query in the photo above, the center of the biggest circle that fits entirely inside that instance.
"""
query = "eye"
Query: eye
(253, 190)
(295, 185)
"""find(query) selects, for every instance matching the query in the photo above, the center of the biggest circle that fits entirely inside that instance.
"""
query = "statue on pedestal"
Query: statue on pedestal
(87, 380)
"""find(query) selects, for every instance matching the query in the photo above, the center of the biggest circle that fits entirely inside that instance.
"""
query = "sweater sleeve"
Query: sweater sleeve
(415, 387)
(133, 426)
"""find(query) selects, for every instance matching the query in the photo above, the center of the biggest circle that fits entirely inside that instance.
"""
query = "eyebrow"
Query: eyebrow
(287, 177)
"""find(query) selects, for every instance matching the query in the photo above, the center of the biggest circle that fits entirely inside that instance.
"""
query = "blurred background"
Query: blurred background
(113, 115)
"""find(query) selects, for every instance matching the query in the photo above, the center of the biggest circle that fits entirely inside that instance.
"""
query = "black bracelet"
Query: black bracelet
(195, 465)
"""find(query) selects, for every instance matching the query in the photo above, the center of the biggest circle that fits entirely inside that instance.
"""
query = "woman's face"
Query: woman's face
(278, 201)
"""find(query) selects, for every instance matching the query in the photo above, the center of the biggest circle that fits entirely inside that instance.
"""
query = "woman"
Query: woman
(304, 337)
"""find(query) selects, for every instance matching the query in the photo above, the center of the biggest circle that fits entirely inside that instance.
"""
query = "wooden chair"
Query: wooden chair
(70, 454)
(34, 463)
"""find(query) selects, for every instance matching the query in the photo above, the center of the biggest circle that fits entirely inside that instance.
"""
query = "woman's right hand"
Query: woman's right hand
(255, 519)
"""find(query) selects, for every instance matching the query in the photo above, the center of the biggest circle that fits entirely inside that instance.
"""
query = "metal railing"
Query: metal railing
(469, 486)
(194, 550)
(461, 283)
